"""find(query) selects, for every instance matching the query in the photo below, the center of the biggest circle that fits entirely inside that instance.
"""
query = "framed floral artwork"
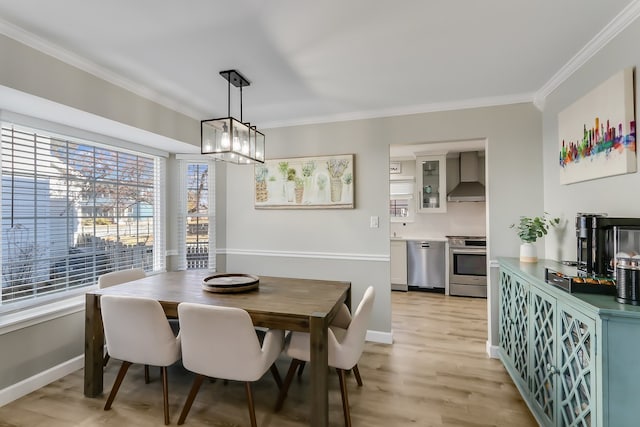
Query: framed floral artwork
(324, 182)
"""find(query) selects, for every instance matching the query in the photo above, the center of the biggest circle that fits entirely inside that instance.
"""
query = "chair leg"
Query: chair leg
(197, 382)
(287, 383)
(345, 397)
(116, 384)
(165, 393)
(252, 409)
(301, 369)
(276, 375)
(146, 374)
(356, 373)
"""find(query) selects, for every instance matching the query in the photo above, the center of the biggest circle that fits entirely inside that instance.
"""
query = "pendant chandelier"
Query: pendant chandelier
(229, 139)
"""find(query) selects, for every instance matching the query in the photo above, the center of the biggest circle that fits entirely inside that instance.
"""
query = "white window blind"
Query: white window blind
(73, 210)
(196, 215)
(159, 219)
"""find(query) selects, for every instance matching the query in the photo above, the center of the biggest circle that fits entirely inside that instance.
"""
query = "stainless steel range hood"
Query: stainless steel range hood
(469, 189)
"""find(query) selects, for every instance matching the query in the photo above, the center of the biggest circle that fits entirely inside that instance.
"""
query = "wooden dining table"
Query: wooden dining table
(279, 303)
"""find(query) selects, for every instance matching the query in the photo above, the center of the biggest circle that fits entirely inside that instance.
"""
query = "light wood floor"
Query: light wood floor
(435, 374)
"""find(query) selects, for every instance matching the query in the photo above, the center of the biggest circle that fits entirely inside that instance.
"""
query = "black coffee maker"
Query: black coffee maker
(587, 238)
(609, 247)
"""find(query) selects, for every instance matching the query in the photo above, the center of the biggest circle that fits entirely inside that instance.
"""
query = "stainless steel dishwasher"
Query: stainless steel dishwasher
(426, 264)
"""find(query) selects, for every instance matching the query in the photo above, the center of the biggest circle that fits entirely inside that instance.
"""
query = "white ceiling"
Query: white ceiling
(314, 61)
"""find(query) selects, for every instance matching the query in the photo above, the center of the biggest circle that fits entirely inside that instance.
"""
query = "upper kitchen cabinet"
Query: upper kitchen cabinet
(432, 183)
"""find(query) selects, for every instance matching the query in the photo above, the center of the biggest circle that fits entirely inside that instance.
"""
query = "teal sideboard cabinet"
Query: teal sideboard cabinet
(574, 357)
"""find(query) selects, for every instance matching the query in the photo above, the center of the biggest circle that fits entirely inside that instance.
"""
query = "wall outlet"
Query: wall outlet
(374, 222)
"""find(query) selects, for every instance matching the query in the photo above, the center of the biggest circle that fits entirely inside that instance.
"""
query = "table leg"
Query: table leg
(319, 370)
(93, 347)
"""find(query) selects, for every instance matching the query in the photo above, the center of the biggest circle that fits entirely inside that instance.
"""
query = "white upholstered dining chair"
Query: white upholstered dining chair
(119, 277)
(116, 278)
(342, 320)
(221, 342)
(137, 331)
(345, 346)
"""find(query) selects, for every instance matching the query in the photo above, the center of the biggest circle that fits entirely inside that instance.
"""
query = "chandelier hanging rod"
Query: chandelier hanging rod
(233, 77)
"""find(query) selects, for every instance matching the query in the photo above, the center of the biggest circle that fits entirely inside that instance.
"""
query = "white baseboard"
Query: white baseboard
(380, 337)
(492, 351)
(26, 386)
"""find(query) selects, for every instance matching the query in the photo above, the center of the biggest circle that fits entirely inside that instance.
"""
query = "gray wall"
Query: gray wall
(33, 72)
(513, 185)
(615, 195)
(30, 351)
(517, 173)
(514, 188)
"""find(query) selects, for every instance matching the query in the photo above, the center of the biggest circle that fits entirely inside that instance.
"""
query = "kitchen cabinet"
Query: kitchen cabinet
(432, 183)
(573, 357)
(398, 265)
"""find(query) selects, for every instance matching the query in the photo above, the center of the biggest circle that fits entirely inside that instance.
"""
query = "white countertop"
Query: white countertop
(412, 237)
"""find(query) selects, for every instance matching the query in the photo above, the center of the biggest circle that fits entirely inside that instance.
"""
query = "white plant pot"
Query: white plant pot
(528, 252)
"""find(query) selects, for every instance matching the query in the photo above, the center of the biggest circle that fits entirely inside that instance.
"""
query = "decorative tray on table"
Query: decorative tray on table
(224, 283)
(590, 285)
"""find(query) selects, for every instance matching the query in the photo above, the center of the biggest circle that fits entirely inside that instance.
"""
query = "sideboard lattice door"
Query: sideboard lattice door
(506, 325)
(514, 323)
(576, 370)
(521, 330)
(543, 355)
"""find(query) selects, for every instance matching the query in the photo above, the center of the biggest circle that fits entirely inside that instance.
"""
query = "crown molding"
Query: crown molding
(29, 39)
(21, 35)
(618, 24)
(407, 110)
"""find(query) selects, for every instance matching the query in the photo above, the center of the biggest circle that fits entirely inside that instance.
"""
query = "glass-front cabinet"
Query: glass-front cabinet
(432, 183)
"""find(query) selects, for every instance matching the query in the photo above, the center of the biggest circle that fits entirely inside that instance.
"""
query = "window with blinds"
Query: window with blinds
(196, 217)
(73, 210)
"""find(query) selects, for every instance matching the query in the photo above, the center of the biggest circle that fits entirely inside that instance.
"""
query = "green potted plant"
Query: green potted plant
(529, 230)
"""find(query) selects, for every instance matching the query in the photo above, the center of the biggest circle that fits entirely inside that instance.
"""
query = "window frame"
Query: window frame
(184, 160)
(76, 136)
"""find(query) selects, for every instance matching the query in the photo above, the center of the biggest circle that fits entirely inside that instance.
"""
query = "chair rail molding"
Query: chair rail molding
(303, 254)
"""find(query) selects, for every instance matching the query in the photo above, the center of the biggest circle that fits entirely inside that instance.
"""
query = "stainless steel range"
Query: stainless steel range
(468, 266)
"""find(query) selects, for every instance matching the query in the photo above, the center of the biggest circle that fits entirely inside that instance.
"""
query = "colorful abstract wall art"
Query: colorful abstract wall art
(598, 132)
(305, 183)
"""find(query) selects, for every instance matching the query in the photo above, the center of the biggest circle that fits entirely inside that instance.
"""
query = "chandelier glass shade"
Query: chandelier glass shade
(229, 139)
